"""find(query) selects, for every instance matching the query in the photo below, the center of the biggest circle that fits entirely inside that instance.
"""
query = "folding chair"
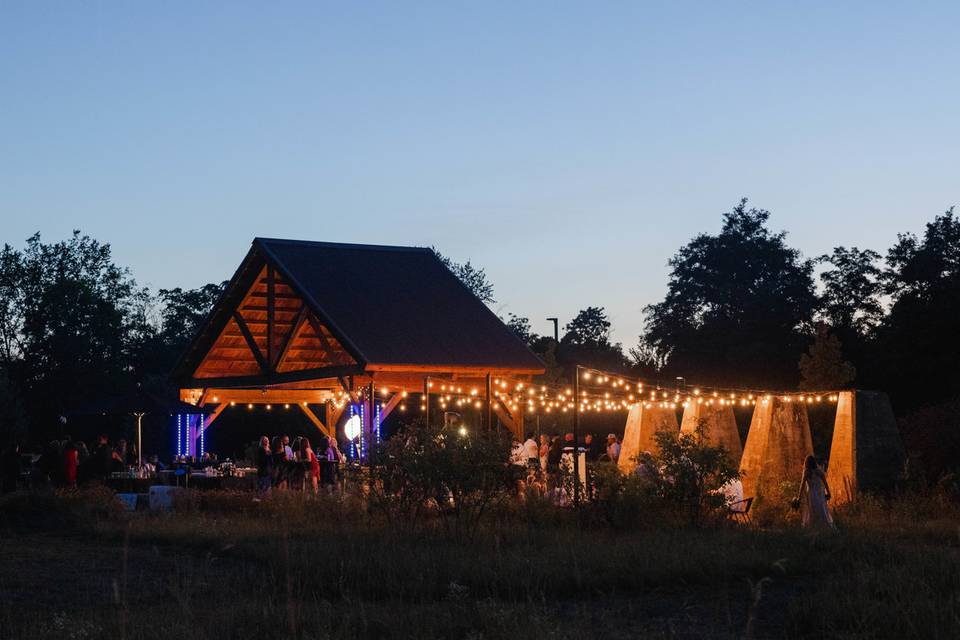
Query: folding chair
(740, 511)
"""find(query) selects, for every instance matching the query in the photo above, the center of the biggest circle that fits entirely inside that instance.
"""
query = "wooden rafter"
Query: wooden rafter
(207, 421)
(277, 378)
(390, 406)
(285, 347)
(333, 414)
(318, 329)
(513, 421)
(317, 422)
(270, 315)
(254, 349)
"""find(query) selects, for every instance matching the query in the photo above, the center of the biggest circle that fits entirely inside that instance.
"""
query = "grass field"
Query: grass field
(226, 567)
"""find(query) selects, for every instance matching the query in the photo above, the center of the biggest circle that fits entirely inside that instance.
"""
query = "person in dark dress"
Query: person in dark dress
(103, 458)
(592, 447)
(265, 471)
(10, 467)
(279, 463)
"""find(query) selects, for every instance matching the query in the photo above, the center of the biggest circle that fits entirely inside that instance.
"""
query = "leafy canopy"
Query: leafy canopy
(738, 303)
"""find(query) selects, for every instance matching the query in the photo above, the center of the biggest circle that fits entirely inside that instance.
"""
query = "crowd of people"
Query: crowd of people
(297, 466)
(65, 463)
(549, 463)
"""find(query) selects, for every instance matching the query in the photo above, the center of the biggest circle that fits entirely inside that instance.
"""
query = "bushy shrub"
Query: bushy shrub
(623, 501)
(691, 474)
(427, 470)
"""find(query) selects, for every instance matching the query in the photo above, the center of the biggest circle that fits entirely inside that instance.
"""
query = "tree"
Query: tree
(587, 342)
(522, 329)
(75, 302)
(823, 367)
(184, 312)
(473, 278)
(916, 350)
(852, 288)
(590, 327)
(739, 305)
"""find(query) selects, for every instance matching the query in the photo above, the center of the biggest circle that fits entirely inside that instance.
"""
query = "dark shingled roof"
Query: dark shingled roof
(390, 305)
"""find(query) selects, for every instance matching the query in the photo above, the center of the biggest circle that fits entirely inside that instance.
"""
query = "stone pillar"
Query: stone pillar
(719, 426)
(643, 423)
(777, 445)
(866, 453)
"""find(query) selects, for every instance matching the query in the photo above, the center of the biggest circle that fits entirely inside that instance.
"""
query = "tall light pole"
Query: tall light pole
(556, 328)
(576, 436)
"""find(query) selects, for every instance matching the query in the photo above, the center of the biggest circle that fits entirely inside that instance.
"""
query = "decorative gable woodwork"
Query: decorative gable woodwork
(271, 331)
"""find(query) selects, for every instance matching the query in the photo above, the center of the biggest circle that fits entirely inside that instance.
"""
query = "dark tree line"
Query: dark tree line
(743, 308)
(74, 325)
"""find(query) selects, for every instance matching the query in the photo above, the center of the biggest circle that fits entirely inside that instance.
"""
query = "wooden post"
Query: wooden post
(139, 440)
(576, 436)
(370, 421)
(489, 408)
(426, 400)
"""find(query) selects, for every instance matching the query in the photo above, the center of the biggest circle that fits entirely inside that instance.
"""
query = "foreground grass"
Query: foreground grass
(226, 567)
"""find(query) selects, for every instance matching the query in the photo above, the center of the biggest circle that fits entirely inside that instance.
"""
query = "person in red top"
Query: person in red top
(71, 460)
(308, 456)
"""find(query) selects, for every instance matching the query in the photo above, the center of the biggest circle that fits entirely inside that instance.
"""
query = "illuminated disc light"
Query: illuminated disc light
(352, 428)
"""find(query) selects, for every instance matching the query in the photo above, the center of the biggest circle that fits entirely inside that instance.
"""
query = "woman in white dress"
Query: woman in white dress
(813, 496)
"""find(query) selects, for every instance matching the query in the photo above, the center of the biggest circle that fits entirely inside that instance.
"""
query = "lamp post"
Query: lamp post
(556, 328)
(576, 436)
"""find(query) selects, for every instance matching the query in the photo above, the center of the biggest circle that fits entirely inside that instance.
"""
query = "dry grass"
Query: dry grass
(287, 568)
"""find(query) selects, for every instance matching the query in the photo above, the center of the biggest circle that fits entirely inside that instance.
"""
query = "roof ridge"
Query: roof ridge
(340, 245)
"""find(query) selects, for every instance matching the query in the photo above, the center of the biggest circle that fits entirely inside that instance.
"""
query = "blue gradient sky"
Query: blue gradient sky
(567, 148)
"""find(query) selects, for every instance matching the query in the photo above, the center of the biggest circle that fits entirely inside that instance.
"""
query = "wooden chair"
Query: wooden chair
(739, 511)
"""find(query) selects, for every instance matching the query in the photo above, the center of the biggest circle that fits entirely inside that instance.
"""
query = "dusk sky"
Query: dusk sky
(567, 148)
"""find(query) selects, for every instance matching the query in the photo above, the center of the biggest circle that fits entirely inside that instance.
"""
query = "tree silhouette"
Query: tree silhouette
(739, 305)
(823, 367)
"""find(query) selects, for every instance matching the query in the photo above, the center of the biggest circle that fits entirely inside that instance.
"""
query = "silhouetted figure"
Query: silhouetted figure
(10, 468)
(71, 462)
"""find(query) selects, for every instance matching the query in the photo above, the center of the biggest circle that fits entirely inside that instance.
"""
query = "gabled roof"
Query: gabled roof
(387, 307)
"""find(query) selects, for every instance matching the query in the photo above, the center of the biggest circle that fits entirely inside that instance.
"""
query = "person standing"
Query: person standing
(531, 452)
(333, 459)
(311, 464)
(10, 467)
(544, 451)
(279, 463)
(71, 461)
(813, 496)
(613, 448)
(264, 467)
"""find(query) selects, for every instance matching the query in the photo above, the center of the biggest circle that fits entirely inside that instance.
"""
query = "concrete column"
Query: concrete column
(866, 453)
(643, 423)
(777, 445)
(719, 426)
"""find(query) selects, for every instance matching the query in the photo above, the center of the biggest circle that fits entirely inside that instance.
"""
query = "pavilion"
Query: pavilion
(324, 325)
